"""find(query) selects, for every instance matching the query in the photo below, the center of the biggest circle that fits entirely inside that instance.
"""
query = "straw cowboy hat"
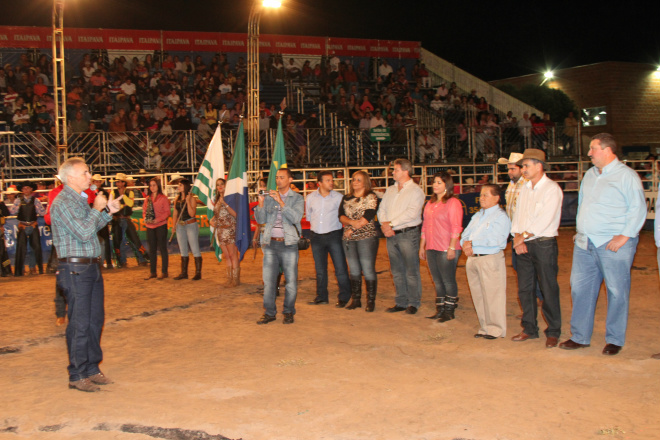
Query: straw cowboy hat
(514, 158)
(98, 177)
(175, 178)
(123, 177)
(12, 190)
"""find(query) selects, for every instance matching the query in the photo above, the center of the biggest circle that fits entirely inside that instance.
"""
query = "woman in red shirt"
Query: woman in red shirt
(155, 212)
(443, 224)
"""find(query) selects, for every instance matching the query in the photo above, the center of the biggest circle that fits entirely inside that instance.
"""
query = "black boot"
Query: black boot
(184, 269)
(439, 307)
(371, 295)
(118, 254)
(448, 311)
(198, 268)
(356, 294)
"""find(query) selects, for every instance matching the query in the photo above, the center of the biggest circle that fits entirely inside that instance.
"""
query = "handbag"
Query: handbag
(303, 243)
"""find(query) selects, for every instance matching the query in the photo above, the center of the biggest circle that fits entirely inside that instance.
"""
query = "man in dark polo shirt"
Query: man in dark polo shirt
(75, 225)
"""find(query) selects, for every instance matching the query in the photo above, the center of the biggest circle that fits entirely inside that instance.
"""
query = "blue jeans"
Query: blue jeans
(322, 245)
(126, 232)
(443, 272)
(361, 256)
(82, 286)
(403, 250)
(188, 238)
(590, 267)
(277, 255)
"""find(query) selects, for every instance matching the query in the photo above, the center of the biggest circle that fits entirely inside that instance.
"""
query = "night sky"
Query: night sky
(490, 39)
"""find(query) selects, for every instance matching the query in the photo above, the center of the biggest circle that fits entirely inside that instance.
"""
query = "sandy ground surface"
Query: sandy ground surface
(187, 356)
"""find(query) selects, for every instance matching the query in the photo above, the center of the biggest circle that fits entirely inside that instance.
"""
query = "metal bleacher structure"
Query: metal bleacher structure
(335, 144)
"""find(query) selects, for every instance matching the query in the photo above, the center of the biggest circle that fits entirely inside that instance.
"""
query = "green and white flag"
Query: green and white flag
(212, 169)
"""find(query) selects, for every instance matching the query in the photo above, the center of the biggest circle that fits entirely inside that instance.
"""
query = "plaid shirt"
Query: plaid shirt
(75, 225)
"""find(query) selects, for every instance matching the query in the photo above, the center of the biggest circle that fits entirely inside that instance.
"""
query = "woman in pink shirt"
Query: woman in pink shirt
(155, 212)
(443, 223)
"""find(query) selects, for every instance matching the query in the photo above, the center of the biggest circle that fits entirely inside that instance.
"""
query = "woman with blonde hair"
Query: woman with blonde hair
(357, 213)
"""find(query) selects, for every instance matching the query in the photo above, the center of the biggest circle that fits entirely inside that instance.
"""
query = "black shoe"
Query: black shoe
(479, 335)
(288, 318)
(318, 301)
(489, 337)
(341, 304)
(266, 319)
(411, 310)
(395, 309)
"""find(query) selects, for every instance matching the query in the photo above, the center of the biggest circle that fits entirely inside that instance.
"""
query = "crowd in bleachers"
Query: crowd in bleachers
(186, 93)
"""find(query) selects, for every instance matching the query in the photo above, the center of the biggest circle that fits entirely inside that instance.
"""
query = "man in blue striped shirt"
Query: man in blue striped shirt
(75, 225)
(611, 211)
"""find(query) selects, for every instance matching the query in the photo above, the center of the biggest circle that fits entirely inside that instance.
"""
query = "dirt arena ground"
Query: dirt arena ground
(190, 363)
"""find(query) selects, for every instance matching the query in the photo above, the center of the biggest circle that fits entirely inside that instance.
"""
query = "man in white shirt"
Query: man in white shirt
(322, 212)
(534, 229)
(400, 216)
(128, 88)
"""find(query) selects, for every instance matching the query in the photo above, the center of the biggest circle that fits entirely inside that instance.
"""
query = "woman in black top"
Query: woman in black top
(187, 229)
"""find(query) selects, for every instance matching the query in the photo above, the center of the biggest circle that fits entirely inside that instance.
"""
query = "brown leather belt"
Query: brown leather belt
(80, 260)
(190, 221)
(276, 239)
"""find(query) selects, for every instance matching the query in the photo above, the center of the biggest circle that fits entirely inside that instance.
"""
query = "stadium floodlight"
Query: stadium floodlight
(253, 81)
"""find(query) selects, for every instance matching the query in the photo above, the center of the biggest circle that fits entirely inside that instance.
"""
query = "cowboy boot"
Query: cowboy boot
(371, 295)
(237, 276)
(448, 311)
(439, 307)
(198, 268)
(184, 269)
(356, 294)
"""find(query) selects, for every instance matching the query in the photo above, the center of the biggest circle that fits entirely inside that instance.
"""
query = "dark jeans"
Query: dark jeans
(104, 237)
(25, 235)
(514, 264)
(443, 272)
(82, 285)
(539, 263)
(157, 240)
(121, 226)
(322, 245)
(361, 256)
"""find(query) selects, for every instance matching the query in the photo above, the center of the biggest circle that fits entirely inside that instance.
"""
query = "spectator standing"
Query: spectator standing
(281, 212)
(483, 241)
(439, 244)
(400, 218)
(357, 213)
(611, 212)
(155, 212)
(186, 226)
(322, 211)
(534, 229)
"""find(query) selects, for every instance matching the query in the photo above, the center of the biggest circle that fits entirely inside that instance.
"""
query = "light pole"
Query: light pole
(59, 81)
(253, 81)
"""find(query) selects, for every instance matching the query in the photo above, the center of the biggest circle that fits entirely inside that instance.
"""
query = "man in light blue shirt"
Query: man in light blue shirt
(322, 212)
(611, 211)
(483, 242)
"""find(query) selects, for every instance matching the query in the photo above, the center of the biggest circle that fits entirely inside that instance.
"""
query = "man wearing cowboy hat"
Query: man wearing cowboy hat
(534, 229)
(26, 208)
(514, 170)
(122, 226)
(104, 233)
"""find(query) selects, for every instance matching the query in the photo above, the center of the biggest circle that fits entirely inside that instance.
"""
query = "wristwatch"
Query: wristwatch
(525, 235)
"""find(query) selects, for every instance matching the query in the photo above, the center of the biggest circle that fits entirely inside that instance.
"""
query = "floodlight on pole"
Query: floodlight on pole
(253, 83)
(549, 74)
